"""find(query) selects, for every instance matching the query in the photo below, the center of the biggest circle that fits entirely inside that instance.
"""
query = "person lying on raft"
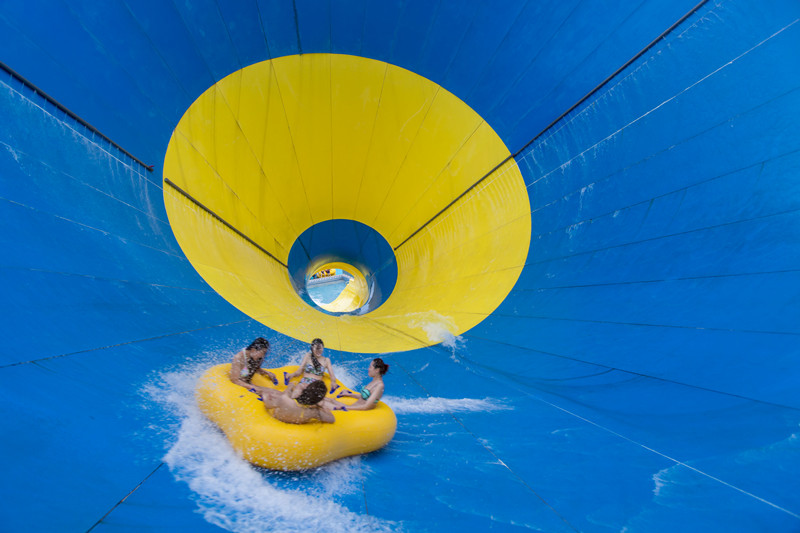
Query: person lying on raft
(312, 367)
(369, 395)
(247, 363)
(301, 410)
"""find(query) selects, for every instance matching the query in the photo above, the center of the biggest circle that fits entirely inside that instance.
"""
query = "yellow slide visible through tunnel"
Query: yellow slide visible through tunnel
(284, 144)
(355, 293)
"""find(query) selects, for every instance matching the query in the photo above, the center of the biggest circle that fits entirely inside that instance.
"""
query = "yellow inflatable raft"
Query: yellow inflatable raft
(265, 441)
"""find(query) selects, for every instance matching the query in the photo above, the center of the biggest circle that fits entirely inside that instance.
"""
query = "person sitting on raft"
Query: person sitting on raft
(312, 367)
(301, 410)
(247, 364)
(369, 394)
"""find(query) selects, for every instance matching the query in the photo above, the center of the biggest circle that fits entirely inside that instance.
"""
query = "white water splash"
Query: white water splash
(348, 376)
(232, 494)
(443, 405)
(660, 479)
(437, 327)
(573, 229)
(454, 342)
(770, 460)
(584, 191)
(13, 152)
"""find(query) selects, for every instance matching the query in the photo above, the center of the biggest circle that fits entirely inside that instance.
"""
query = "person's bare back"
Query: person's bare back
(304, 409)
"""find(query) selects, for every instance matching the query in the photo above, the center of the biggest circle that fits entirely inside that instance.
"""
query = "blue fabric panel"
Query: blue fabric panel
(60, 81)
(94, 408)
(749, 364)
(314, 23)
(380, 28)
(209, 33)
(577, 57)
(141, 71)
(347, 27)
(414, 27)
(487, 30)
(280, 27)
(83, 86)
(744, 303)
(244, 23)
(163, 26)
(81, 417)
(491, 84)
(441, 47)
(466, 503)
(58, 249)
(160, 500)
(603, 399)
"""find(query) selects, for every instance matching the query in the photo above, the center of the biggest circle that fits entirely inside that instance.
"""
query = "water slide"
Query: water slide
(575, 225)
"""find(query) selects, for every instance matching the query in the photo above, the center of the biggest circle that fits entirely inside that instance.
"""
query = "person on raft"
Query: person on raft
(305, 408)
(247, 364)
(312, 367)
(369, 395)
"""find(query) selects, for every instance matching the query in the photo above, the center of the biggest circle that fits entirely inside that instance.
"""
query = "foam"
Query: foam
(443, 405)
(348, 376)
(437, 327)
(234, 495)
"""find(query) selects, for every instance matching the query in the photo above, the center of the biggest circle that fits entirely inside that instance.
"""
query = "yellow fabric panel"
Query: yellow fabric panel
(447, 127)
(197, 126)
(214, 192)
(249, 99)
(225, 259)
(304, 85)
(404, 104)
(356, 93)
(286, 143)
(257, 285)
(281, 170)
(478, 155)
(495, 206)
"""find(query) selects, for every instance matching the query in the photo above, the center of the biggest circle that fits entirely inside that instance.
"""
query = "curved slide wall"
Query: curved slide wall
(640, 375)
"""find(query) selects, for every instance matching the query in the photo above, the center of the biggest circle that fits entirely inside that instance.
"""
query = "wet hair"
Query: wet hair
(314, 360)
(313, 393)
(382, 367)
(259, 344)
